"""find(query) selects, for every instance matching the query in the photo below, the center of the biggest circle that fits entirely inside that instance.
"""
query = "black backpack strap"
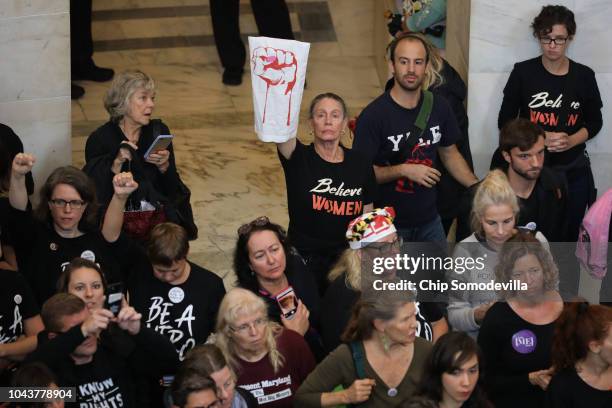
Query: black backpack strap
(358, 358)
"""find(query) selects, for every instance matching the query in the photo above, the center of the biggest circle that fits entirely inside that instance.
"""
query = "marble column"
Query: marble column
(500, 36)
(35, 78)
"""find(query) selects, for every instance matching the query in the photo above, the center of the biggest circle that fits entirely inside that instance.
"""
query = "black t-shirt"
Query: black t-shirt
(42, 254)
(512, 348)
(184, 313)
(529, 209)
(323, 197)
(568, 390)
(382, 132)
(16, 305)
(558, 103)
(98, 385)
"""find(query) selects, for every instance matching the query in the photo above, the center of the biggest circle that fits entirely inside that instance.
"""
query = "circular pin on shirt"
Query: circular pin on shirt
(176, 295)
(17, 299)
(392, 392)
(89, 255)
(524, 341)
(53, 246)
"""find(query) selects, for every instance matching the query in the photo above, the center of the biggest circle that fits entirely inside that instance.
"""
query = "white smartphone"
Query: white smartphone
(287, 301)
(161, 142)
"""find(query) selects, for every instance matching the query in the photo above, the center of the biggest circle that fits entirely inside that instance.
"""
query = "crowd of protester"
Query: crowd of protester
(98, 292)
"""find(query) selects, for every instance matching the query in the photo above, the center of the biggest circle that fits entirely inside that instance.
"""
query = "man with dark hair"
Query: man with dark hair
(402, 132)
(102, 376)
(542, 193)
(180, 298)
(191, 389)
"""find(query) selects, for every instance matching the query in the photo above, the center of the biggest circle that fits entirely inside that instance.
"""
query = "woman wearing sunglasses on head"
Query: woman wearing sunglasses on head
(266, 265)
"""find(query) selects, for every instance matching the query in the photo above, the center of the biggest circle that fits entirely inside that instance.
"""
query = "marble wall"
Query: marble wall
(35, 78)
(500, 36)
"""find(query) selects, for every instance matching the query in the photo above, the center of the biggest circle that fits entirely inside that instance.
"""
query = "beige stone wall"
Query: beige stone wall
(35, 78)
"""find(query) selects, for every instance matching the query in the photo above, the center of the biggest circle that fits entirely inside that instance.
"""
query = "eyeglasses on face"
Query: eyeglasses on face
(61, 203)
(557, 41)
(244, 328)
(257, 222)
(385, 247)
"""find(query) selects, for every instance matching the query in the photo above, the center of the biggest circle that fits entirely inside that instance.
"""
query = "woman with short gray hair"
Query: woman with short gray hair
(130, 141)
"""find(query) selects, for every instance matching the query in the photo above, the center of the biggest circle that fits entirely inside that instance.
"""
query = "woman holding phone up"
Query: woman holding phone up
(130, 141)
(266, 265)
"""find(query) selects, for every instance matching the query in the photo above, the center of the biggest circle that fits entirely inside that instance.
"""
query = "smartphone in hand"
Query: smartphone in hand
(287, 301)
(114, 296)
(161, 142)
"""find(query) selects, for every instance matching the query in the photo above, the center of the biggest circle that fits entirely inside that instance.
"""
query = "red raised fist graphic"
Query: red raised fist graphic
(277, 68)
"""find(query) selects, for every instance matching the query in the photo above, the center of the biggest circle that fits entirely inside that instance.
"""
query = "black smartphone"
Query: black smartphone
(114, 296)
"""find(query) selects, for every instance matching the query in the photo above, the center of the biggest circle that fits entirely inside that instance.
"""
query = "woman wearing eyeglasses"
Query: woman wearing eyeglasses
(266, 265)
(271, 362)
(346, 278)
(62, 227)
(562, 97)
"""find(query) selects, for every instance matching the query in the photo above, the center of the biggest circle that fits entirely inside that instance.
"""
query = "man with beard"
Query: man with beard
(402, 132)
(541, 192)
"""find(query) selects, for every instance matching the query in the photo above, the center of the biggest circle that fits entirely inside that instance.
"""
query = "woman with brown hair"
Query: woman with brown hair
(63, 225)
(516, 333)
(582, 358)
(209, 361)
(382, 361)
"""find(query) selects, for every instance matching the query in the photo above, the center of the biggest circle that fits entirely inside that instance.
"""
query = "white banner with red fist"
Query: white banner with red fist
(278, 71)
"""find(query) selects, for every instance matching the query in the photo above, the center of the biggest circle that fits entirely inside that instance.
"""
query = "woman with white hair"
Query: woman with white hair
(269, 361)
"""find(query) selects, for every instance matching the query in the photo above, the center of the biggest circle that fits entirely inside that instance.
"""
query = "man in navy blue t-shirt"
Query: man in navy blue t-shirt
(404, 156)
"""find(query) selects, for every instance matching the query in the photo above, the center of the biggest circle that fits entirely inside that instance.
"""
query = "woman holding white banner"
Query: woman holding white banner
(327, 186)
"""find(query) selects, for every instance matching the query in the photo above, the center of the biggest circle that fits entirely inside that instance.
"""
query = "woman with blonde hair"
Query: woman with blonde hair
(346, 278)
(122, 144)
(271, 362)
(494, 213)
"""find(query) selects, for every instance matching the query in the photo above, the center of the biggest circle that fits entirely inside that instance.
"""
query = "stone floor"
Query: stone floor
(233, 177)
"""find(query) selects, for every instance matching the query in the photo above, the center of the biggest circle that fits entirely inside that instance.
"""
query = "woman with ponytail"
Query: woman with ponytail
(494, 214)
(582, 358)
(381, 362)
